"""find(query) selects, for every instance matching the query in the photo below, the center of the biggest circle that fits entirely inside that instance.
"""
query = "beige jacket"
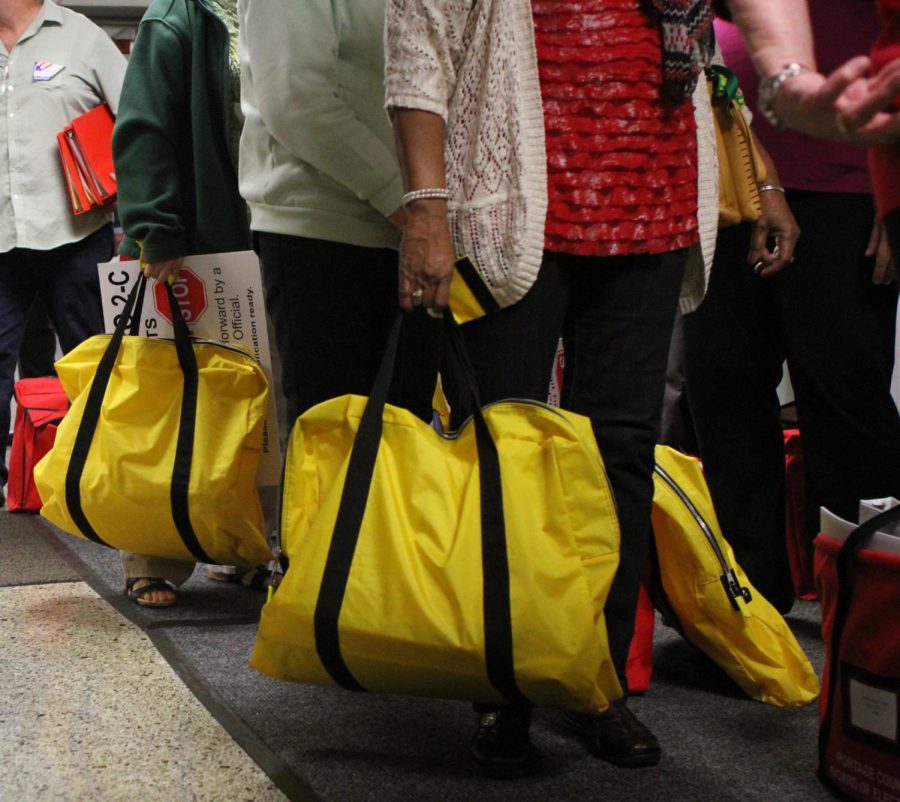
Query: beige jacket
(473, 62)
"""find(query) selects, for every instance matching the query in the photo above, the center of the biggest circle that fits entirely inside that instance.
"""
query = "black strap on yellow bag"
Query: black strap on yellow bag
(181, 472)
(497, 616)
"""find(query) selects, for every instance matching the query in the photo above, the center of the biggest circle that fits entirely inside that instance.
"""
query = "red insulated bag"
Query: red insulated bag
(859, 709)
(41, 404)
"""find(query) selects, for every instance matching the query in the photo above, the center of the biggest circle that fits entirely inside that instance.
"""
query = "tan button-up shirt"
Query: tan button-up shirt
(35, 211)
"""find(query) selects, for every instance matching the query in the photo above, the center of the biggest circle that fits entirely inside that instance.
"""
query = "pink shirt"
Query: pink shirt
(842, 29)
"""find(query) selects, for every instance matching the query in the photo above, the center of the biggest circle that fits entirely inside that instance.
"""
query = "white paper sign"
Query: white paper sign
(221, 299)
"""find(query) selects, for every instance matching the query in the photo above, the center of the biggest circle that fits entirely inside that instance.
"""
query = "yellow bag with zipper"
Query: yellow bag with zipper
(473, 566)
(159, 451)
(715, 606)
(741, 169)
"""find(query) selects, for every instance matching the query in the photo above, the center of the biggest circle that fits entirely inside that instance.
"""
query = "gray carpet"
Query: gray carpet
(28, 556)
(334, 745)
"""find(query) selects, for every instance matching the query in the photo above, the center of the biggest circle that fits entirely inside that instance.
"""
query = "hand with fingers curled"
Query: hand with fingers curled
(426, 257)
(166, 270)
(884, 269)
(775, 224)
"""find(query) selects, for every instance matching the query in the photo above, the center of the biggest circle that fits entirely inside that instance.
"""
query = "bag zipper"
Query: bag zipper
(738, 596)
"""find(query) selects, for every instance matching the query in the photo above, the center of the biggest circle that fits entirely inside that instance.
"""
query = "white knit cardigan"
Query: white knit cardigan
(474, 63)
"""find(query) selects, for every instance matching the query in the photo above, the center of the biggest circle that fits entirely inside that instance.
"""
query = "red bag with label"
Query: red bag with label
(41, 404)
(859, 589)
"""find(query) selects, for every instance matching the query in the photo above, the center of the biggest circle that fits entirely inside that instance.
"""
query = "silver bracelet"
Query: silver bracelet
(770, 87)
(770, 188)
(433, 193)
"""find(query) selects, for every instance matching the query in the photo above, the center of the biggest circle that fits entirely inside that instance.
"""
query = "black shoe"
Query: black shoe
(617, 737)
(501, 746)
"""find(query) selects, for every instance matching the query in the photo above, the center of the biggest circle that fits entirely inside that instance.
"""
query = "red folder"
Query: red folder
(85, 147)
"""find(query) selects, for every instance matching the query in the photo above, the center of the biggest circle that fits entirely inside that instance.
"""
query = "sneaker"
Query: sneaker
(501, 746)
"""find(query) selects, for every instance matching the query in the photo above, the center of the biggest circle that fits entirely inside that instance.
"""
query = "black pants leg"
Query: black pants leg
(38, 349)
(733, 365)
(617, 333)
(67, 282)
(332, 306)
(616, 317)
(832, 324)
(892, 227)
(836, 326)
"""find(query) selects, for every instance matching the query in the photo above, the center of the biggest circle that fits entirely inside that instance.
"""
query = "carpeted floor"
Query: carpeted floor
(317, 743)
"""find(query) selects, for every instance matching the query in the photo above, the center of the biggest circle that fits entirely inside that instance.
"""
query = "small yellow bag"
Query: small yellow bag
(741, 170)
(159, 451)
(469, 566)
(717, 608)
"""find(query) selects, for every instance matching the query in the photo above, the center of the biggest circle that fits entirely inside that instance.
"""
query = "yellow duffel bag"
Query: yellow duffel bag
(468, 566)
(159, 451)
(716, 607)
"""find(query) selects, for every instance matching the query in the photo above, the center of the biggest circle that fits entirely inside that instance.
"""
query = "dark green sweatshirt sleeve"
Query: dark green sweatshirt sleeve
(151, 136)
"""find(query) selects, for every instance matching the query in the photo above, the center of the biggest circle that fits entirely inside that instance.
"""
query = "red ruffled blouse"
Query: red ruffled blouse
(622, 160)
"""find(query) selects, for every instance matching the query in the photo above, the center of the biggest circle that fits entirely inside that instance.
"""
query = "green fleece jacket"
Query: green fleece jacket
(177, 180)
(317, 150)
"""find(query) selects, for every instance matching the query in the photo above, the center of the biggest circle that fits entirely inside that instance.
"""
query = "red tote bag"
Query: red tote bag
(40, 405)
(859, 709)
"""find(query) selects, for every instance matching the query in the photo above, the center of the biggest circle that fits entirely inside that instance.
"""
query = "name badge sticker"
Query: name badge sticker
(45, 70)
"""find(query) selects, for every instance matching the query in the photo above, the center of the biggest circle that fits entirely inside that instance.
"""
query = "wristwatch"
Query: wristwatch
(769, 88)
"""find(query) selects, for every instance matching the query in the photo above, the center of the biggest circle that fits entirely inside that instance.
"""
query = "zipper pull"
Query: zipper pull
(738, 596)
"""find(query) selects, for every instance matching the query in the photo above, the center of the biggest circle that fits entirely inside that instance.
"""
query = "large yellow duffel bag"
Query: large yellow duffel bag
(472, 566)
(159, 451)
(716, 607)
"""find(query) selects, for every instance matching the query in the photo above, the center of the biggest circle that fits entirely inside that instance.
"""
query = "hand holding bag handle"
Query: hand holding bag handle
(181, 472)
(497, 615)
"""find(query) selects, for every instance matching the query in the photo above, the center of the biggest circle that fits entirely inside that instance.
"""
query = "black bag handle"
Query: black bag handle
(130, 319)
(846, 559)
(497, 616)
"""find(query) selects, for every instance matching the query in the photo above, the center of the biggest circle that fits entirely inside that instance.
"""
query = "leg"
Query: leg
(332, 306)
(676, 427)
(38, 344)
(892, 228)
(70, 286)
(734, 361)
(17, 291)
(141, 571)
(512, 353)
(850, 425)
(617, 337)
(512, 350)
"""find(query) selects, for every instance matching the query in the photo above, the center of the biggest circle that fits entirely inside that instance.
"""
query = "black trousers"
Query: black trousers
(615, 316)
(332, 306)
(66, 281)
(835, 329)
(892, 227)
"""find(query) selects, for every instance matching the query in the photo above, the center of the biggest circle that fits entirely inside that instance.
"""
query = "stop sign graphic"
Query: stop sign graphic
(190, 293)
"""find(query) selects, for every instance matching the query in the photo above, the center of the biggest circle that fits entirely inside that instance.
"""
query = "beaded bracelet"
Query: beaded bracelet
(433, 193)
(770, 188)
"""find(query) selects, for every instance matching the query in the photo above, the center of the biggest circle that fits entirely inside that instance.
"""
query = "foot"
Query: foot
(501, 746)
(150, 591)
(258, 578)
(617, 737)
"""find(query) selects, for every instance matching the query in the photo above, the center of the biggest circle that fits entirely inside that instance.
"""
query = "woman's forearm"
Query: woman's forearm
(420, 148)
(777, 32)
